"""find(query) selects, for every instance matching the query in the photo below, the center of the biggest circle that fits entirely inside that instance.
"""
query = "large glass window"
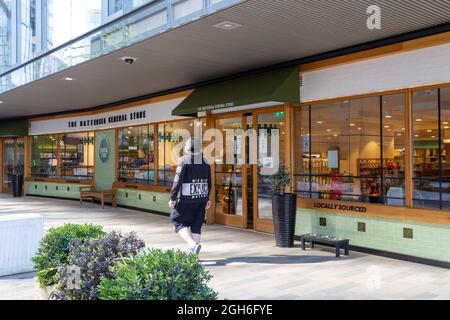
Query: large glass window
(351, 150)
(44, 159)
(137, 155)
(77, 155)
(125, 5)
(171, 136)
(68, 19)
(27, 31)
(5, 34)
(431, 135)
(63, 156)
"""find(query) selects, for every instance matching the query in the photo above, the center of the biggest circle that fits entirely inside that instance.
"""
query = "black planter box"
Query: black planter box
(284, 208)
(17, 184)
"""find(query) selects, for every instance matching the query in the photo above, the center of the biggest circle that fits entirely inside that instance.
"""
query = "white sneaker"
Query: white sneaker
(196, 249)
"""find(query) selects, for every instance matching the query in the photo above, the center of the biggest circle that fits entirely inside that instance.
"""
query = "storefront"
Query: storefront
(12, 152)
(366, 138)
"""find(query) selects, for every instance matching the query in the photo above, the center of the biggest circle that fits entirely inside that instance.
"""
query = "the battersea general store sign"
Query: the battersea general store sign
(153, 112)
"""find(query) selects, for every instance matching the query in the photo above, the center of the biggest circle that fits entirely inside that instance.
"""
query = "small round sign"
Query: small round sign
(104, 150)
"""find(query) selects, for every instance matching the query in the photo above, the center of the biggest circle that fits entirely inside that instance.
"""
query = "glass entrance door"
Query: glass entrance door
(231, 203)
(252, 148)
(13, 154)
(271, 135)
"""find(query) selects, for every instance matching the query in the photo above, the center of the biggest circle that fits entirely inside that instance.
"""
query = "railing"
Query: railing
(142, 23)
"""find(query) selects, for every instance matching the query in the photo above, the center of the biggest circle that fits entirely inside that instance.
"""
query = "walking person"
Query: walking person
(189, 197)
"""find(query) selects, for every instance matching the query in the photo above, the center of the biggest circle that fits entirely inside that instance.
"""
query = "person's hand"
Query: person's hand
(172, 204)
(208, 205)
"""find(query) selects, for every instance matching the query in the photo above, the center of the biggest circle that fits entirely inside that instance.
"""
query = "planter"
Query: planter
(284, 209)
(42, 293)
(17, 184)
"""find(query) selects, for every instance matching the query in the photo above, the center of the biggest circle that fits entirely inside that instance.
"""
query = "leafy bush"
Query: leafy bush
(94, 259)
(53, 250)
(158, 275)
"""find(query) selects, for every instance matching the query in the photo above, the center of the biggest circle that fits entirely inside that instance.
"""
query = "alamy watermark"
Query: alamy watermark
(233, 147)
(374, 19)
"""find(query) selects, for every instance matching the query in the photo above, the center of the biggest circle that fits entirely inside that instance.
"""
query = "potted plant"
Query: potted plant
(17, 181)
(284, 207)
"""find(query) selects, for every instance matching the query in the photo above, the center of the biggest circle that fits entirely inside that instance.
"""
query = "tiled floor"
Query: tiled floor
(246, 264)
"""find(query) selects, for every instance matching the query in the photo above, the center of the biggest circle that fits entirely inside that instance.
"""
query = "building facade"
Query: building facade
(364, 135)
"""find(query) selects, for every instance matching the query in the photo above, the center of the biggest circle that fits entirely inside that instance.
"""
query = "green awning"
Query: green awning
(280, 86)
(13, 127)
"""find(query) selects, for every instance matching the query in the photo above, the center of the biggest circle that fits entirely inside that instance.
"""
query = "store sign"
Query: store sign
(104, 150)
(216, 106)
(153, 112)
(340, 207)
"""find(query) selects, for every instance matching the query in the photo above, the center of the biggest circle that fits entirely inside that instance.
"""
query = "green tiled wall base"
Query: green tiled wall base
(430, 241)
(154, 201)
(55, 190)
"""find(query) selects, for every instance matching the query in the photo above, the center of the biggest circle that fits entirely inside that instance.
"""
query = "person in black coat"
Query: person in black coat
(189, 197)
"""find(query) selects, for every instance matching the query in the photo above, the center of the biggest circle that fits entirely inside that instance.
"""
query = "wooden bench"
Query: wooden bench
(338, 243)
(92, 194)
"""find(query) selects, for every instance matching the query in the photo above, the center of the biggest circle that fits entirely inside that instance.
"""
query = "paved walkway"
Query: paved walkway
(246, 264)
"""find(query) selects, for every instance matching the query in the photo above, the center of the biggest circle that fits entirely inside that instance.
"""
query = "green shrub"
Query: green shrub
(53, 249)
(93, 260)
(158, 275)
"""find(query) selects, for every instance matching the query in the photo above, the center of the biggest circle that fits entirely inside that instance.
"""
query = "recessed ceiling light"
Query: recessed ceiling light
(359, 129)
(387, 127)
(388, 117)
(446, 127)
(445, 122)
(68, 79)
(419, 120)
(328, 130)
(352, 124)
(429, 131)
(319, 122)
(227, 25)
(399, 134)
(416, 135)
(335, 135)
(433, 137)
(1, 102)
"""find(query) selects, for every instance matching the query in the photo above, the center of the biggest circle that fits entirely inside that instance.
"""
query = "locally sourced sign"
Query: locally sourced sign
(340, 207)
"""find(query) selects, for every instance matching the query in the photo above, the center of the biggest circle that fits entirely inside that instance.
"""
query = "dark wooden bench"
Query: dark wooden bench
(338, 243)
(92, 194)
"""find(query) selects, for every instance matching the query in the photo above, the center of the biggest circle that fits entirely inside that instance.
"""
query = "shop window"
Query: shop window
(68, 156)
(137, 155)
(351, 150)
(44, 159)
(77, 155)
(431, 135)
(171, 138)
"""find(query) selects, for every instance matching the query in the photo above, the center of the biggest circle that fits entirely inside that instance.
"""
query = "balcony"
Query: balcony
(154, 18)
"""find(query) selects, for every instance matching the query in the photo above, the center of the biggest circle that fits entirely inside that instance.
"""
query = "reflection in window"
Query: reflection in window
(186, 7)
(5, 35)
(77, 155)
(228, 166)
(171, 138)
(431, 177)
(137, 155)
(68, 19)
(125, 5)
(354, 150)
(27, 33)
